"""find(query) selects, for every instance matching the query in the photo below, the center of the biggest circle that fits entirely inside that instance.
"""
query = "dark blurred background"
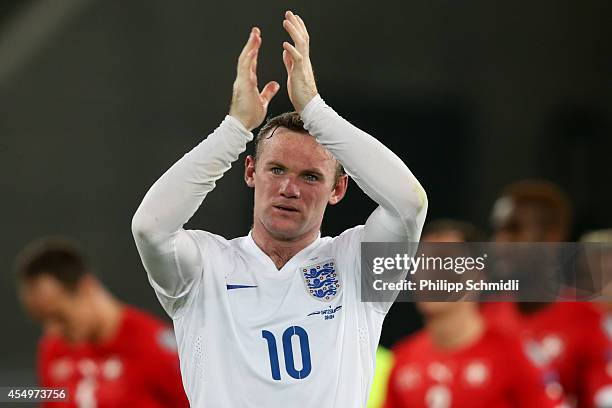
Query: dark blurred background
(98, 98)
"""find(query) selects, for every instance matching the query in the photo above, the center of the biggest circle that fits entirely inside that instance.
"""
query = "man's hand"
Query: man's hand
(300, 77)
(249, 105)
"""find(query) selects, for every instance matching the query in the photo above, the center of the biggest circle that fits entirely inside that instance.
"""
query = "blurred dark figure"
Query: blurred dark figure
(449, 230)
(532, 211)
(557, 336)
(598, 379)
(535, 211)
(105, 353)
(598, 254)
(458, 360)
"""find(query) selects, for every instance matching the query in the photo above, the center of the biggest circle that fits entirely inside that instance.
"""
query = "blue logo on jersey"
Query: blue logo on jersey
(239, 286)
(328, 313)
(322, 280)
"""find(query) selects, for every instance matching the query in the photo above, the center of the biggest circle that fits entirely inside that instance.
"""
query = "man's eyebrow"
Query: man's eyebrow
(275, 163)
(314, 171)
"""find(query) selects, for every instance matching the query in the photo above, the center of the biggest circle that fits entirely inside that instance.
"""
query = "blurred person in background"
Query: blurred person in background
(559, 337)
(384, 363)
(460, 361)
(102, 351)
(598, 378)
(598, 251)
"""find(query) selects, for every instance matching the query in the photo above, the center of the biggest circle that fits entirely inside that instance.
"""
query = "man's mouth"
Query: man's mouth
(286, 208)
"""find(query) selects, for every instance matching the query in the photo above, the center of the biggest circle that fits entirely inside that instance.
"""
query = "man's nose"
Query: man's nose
(289, 188)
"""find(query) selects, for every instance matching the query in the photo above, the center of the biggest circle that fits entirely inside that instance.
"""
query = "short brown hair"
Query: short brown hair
(58, 257)
(291, 121)
(551, 203)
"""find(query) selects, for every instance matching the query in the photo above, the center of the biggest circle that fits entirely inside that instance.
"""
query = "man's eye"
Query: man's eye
(277, 170)
(311, 177)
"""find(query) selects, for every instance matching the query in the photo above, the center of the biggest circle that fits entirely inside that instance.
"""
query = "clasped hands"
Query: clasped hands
(249, 105)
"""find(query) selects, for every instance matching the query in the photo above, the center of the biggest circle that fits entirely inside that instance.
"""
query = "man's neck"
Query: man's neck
(109, 313)
(456, 329)
(281, 251)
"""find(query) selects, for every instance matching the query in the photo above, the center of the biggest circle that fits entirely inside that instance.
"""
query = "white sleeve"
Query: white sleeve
(377, 171)
(170, 254)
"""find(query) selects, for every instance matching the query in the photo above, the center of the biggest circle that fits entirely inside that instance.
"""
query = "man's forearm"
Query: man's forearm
(380, 173)
(175, 197)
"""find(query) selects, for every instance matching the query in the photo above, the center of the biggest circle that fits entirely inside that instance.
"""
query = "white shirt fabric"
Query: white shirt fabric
(248, 334)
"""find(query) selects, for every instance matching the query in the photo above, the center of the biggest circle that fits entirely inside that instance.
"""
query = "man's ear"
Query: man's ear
(249, 171)
(339, 190)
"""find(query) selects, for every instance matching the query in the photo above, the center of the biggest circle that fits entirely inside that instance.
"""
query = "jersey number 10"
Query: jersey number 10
(288, 352)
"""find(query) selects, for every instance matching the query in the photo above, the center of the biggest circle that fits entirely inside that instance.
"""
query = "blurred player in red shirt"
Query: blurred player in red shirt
(562, 337)
(106, 354)
(598, 380)
(460, 361)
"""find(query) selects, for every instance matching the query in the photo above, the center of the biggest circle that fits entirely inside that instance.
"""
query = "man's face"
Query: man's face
(517, 222)
(294, 181)
(431, 309)
(59, 311)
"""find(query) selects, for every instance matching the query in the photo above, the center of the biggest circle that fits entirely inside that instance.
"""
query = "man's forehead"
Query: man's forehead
(508, 211)
(282, 136)
(449, 235)
(42, 288)
(283, 130)
(298, 147)
(41, 295)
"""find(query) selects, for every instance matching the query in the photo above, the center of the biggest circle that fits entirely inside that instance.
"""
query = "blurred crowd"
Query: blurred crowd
(510, 353)
(469, 354)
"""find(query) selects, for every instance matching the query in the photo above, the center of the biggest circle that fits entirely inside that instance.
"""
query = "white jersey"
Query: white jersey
(248, 334)
(253, 336)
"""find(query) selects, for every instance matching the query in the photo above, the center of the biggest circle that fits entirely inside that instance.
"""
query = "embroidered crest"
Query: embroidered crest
(322, 280)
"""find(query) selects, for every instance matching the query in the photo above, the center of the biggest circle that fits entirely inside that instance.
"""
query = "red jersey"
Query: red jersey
(492, 372)
(598, 379)
(138, 368)
(502, 315)
(568, 338)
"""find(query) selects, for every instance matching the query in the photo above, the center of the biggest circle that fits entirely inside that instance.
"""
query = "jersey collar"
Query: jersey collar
(291, 264)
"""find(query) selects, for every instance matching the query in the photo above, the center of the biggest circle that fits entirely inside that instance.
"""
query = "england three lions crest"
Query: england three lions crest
(321, 280)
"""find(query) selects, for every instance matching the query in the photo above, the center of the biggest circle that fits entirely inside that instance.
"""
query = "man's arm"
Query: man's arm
(381, 174)
(169, 253)
(376, 169)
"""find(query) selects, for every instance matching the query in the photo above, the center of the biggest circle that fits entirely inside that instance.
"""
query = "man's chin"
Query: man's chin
(285, 232)
(285, 235)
